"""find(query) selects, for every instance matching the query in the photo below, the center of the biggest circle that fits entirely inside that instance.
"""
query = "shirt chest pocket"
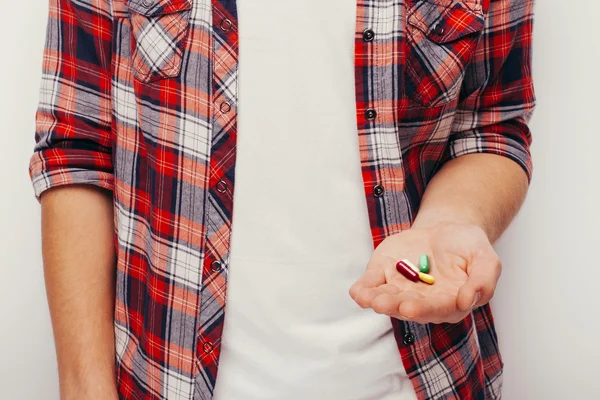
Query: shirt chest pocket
(441, 39)
(159, 31)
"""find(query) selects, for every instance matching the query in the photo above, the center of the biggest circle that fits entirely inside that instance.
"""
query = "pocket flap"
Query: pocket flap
(151, 8)
(446, 21)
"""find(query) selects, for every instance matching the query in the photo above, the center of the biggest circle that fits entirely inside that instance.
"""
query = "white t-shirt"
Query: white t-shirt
(301, 235)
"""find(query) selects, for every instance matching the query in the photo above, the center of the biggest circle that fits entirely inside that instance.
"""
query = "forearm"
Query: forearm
(481, 189)
(79, 268)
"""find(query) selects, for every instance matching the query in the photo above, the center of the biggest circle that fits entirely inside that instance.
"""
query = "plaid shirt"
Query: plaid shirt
(140, 97)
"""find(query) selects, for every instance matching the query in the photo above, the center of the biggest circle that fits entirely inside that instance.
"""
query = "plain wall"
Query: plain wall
(547, 305)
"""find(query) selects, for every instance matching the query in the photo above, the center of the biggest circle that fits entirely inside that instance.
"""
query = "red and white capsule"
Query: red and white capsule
(407, 270)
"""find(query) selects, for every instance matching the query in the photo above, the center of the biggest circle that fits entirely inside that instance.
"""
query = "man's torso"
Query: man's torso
(291, 330)
(152, 88)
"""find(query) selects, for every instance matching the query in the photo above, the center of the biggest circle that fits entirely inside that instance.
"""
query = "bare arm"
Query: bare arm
(466, 206)
(488, 166)
(72, 174)
(478, 190)
(79, 267)
(485, 190)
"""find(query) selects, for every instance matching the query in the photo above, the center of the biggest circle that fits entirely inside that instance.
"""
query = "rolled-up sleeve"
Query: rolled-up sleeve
(73, 141)
(498, 98)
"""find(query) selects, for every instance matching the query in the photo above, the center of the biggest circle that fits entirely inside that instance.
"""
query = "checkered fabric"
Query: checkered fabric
(139, 97)
(158, 44)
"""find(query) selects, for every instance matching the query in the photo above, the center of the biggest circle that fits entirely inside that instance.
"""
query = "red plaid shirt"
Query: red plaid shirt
(140, 97)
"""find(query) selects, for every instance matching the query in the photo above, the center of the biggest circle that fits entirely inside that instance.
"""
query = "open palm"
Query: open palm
(464, 263)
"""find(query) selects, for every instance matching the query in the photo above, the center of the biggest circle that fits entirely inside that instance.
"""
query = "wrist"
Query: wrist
(442, 217)
(89, 391)
(95, 384)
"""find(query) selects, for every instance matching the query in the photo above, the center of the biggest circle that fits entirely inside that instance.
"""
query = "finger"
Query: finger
(389, 303)
(399, 280)
(370, 279)
(366, 296)
(417, 310)
(483, 273)
(390, 289)
(436, 308)
(385, 303)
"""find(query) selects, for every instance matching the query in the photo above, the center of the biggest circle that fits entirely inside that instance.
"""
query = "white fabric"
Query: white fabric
(300, 225)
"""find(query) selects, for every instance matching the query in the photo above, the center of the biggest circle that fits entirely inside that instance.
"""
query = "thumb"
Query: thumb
(483, 272)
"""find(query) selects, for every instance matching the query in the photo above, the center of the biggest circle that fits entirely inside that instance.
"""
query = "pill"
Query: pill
(424, 264)
(426, 278)
(407, 271)
(413, 266)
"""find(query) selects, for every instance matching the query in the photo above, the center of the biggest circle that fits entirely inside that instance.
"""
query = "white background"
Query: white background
(547, 306)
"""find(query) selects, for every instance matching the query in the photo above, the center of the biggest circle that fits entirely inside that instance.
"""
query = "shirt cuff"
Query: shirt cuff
(493, 143)
(57, 167)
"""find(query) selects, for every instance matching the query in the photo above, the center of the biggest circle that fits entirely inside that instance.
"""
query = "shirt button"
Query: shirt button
(208, 347)
(409, 339)
(438, 30)
(370, 114)
(368, 35)
(147, 3)
(225, 107)
(215, 266)
(221, 186)
(226, 25)
(378, 191)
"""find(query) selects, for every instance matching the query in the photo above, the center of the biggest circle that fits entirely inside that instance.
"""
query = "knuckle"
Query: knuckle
(409, 313)
(498, 265)
(379, 308)
(487, 292)
(352, 291)
(382, 305)
(491, 293)
(361, 299)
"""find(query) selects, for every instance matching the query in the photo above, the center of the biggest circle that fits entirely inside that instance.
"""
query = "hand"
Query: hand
(462, 260)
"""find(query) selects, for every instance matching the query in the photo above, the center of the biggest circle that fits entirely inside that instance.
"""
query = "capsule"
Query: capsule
(413, 266)
(407, 271)
(426, 278)
(424, 264)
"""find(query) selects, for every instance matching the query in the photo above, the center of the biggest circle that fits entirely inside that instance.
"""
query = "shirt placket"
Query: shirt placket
(379, 66)
(219, 209)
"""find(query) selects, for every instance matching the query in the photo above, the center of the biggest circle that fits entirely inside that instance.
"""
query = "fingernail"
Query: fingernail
(476, 299)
